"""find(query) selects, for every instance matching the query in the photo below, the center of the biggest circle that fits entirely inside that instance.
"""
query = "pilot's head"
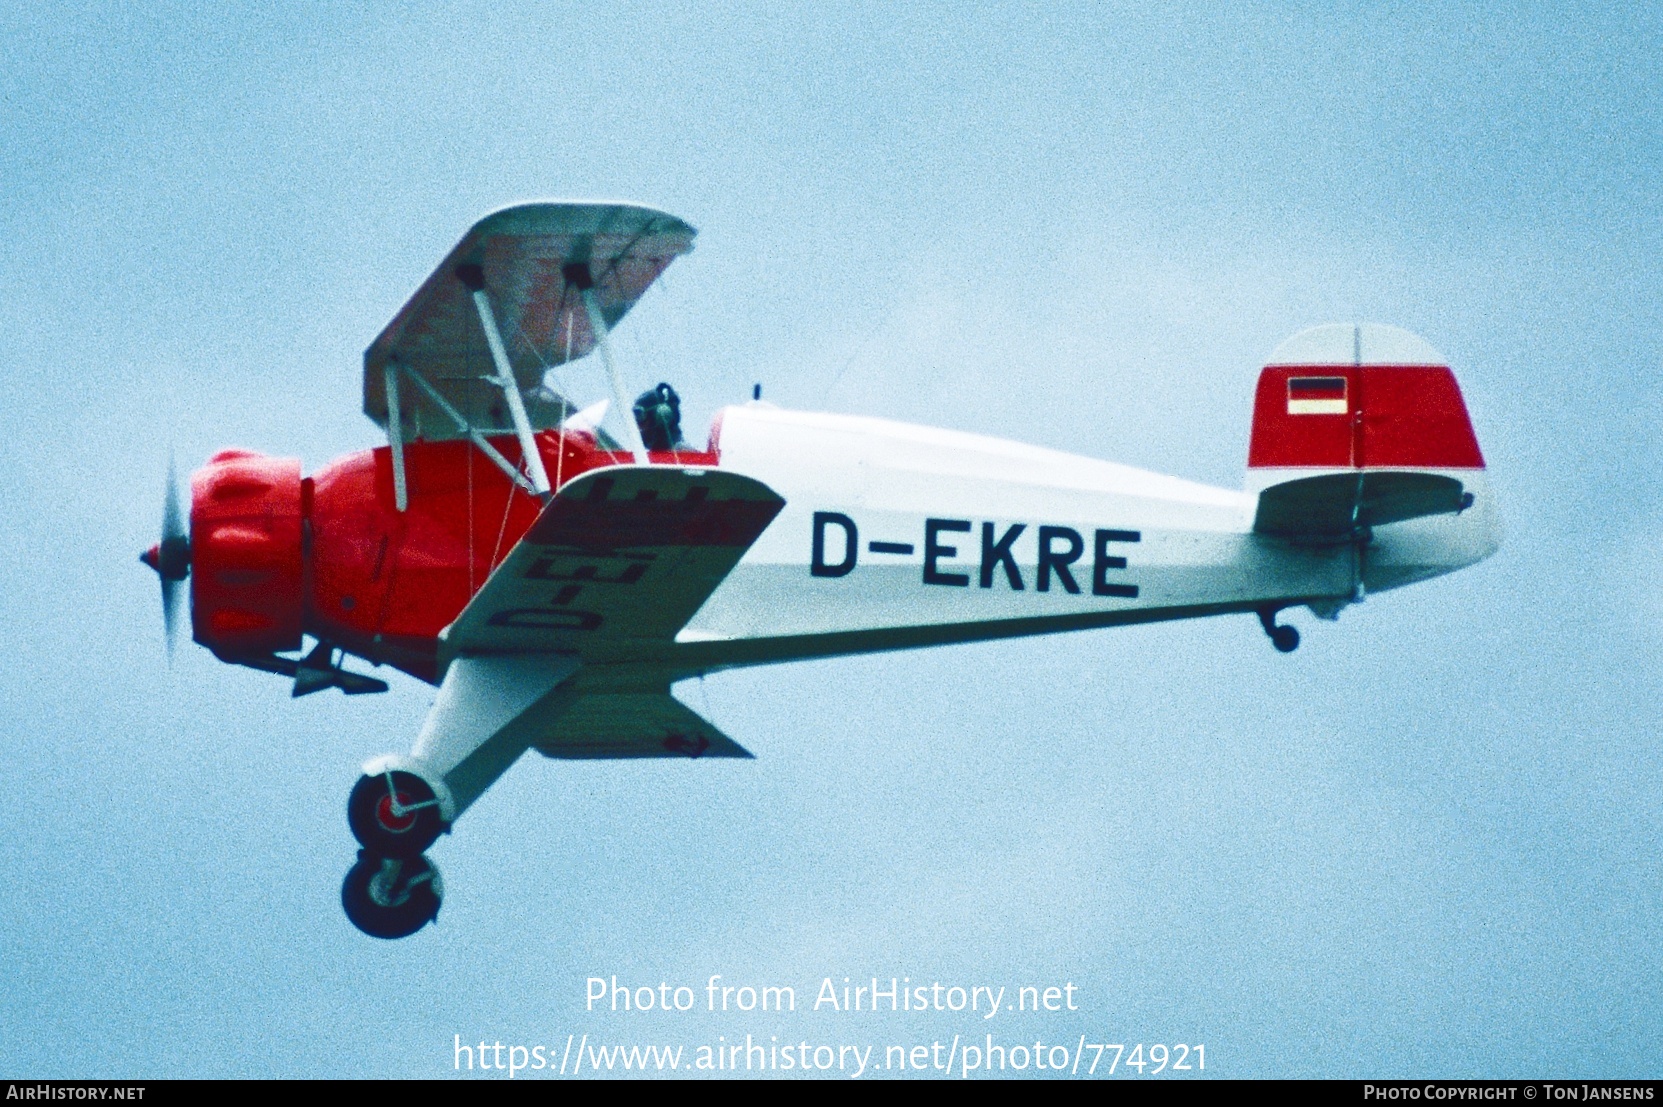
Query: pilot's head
(658, 414)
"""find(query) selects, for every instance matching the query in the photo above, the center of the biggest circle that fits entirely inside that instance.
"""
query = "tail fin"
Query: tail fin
(1381, 407)
(1360, 397)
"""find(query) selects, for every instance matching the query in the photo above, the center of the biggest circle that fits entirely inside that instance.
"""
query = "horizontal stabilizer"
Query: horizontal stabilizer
(651, 724)
(1335, 506)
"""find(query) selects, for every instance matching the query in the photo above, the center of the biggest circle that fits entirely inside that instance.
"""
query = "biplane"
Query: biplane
(554, 580)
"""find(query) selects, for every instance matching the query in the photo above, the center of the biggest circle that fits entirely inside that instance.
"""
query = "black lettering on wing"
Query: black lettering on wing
(543, 618)
(544, 569)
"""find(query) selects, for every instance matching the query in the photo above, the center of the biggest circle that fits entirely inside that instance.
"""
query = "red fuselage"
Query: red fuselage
(275, 556)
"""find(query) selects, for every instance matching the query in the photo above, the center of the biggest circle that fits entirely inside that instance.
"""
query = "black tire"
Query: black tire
(369, 813)
(396, 905)
(1285, 638)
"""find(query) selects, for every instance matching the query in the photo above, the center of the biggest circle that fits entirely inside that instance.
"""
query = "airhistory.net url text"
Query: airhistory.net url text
(578, 1056)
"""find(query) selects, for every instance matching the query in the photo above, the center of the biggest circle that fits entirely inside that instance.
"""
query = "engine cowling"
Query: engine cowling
(247, 564)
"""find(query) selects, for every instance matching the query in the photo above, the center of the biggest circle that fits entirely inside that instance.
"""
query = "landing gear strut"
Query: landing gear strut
(388, 897)
(1285, 638)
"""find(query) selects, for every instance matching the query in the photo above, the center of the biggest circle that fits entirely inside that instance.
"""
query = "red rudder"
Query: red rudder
(1359, 396)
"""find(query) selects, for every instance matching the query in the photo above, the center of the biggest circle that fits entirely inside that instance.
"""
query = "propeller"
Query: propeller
(171, 557)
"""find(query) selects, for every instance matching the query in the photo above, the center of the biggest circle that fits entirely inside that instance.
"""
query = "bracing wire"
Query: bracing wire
(502, 528)
(470, 453)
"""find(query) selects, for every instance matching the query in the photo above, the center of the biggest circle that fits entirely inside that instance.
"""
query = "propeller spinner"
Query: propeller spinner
(171, 557)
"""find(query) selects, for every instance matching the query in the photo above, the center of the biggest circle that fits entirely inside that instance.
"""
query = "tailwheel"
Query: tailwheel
(1284, 637)
(394, 814)
(388, 897)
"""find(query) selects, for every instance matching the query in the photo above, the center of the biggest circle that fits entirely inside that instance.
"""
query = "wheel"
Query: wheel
(400, 821)
(390, 898)
(1285, 638)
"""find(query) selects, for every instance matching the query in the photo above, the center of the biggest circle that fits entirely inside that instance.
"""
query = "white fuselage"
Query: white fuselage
(915, 542)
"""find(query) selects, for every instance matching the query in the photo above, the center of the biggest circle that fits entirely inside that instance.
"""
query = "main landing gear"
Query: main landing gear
(394, 814)
(1284, 637)
(394, 890)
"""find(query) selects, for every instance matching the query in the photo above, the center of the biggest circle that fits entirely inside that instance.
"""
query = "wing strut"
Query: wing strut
(479, 440)
(580, 277)
(395, 436)
(473, 276)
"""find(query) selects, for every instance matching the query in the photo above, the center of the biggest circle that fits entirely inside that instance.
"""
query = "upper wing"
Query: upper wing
(618, 562)
(528, 256)
(1332, 506)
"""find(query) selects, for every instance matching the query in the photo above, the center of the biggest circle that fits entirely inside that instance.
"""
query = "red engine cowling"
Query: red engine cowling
(246, 557)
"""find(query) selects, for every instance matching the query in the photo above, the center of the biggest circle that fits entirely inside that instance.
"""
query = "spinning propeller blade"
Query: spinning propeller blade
(171, 557)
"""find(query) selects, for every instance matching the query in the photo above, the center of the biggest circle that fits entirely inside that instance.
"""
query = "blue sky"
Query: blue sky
(1425, 844)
